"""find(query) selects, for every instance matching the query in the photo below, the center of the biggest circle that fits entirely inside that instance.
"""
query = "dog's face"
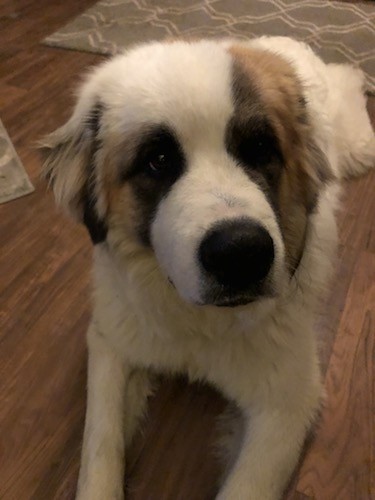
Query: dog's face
(200, 155)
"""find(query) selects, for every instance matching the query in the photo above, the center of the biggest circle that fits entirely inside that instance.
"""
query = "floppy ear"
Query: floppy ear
(69, 167)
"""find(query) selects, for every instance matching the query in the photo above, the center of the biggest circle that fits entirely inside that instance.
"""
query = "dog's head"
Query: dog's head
(200, 155)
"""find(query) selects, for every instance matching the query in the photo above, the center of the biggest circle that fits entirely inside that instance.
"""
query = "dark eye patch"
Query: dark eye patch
(255, 146)
(158, 157)
(252, 143)
(158, 163)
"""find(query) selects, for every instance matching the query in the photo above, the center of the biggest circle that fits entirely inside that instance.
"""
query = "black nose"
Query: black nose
(237, 253)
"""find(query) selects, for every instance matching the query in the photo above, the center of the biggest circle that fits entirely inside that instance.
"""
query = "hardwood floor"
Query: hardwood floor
(44, 312)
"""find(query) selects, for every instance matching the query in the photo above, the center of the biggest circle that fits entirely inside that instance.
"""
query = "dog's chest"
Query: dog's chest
(149, 328)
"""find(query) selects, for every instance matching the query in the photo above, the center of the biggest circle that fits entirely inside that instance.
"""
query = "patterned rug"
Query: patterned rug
(14, 181)
(340, 32)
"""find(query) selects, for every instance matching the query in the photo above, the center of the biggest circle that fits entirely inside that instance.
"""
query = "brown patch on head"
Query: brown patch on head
(123, 218)
(115, 198)
(268, 96)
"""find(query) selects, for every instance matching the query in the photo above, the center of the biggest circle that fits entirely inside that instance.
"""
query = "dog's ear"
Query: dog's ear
(70, 168)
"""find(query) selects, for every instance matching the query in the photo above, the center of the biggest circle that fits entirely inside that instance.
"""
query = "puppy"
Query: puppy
(205, 173)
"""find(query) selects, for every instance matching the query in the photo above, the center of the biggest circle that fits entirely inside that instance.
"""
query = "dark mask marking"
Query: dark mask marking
(158, 163)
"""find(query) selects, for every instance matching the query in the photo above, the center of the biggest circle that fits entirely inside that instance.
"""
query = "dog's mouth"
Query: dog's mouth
(230, 298)
(234, 301)
(222, 296)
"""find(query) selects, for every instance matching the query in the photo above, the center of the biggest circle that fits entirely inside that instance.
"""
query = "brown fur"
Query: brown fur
(69, 148)
(123, 212)
(281, 96)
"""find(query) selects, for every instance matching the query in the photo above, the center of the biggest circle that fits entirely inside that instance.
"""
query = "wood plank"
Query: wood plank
(340, 464)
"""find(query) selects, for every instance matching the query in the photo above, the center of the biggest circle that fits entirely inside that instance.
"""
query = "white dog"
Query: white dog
(205, 173)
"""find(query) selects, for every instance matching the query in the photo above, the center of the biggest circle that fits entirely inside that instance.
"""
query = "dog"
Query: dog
(207, 175)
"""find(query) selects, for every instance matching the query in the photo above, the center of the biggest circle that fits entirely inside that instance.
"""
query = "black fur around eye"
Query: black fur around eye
(158, 163)
(256, 151)
(159, 156)
(253, 145)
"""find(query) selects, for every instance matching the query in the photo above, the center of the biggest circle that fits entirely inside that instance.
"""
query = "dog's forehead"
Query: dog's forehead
(185, 85)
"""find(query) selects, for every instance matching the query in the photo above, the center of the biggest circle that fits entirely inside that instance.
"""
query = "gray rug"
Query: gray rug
(340, 32)
(14, 181)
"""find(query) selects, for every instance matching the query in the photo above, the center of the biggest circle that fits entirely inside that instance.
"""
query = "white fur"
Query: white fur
(200, 200)
(262, 356)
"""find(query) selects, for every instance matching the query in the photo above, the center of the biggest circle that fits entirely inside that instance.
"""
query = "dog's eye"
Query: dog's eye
(257, 151)
(158, 164)
(160, 155)
(254, 144)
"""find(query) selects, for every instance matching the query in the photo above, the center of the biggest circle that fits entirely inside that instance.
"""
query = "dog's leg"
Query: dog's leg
(116, 398)
(273, 439)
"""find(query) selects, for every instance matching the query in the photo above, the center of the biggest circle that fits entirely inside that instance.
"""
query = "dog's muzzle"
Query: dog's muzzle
(236, 256)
